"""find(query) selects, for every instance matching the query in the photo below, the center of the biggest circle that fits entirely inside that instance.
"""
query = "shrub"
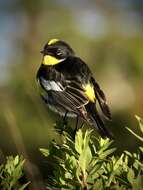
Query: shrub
(11, 172)
(89, 163)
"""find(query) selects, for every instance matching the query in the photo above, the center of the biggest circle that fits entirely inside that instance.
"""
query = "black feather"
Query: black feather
(101, 127)
(97, 122)
(101, 99)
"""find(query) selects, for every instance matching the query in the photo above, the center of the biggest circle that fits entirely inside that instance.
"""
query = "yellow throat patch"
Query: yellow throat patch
(53, 41)
(89, 91)
(50, 60)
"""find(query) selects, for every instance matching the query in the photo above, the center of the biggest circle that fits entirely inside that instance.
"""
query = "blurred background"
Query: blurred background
(108, 35)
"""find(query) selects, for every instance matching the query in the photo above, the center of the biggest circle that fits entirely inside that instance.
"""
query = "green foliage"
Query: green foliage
(140, 121)
(88, 163)
(11, 172)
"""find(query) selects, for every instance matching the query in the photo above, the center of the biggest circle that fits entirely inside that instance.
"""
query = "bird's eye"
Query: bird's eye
(59, 52)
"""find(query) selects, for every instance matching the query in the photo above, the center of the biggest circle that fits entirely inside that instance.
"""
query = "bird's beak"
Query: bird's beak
(42, 51)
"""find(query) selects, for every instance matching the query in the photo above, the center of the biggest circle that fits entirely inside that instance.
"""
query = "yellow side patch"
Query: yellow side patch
(50, 60)
(89, 91)
(53, 41)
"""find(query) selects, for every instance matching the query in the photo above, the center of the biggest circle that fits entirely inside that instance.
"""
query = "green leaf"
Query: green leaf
(116, 166)
(85, 152)
(128, 153)
(24, 186)
(131, 175)
(78, 141)
(141, 149)
(137, 136)
(96, 170)
(44, 151)
(140, 122)
(85, 158)
(104, 144)
(107, 152)
(16, 160)
(98, 184)
(71, 162)
(123, 181)
(78, 174)
(118, 162)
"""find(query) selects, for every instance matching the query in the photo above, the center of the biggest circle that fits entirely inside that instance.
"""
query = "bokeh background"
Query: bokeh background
(107, 34)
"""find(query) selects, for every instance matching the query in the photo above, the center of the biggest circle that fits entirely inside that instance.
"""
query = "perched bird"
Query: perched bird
(68, 86)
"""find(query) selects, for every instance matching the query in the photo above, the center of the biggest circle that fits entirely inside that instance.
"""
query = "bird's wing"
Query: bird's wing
(100, 96)
(70, 95)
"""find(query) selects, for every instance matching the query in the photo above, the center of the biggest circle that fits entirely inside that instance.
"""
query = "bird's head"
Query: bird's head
(56, 51)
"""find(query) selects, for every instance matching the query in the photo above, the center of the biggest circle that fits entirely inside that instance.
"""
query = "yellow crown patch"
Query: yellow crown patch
(53, 41)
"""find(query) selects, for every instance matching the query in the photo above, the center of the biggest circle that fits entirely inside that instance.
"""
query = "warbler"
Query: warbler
(68, 86)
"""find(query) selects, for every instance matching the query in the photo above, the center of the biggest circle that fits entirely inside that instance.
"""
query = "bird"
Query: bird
(69, 88)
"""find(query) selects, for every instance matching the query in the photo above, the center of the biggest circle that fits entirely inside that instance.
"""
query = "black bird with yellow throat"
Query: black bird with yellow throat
(68, 86)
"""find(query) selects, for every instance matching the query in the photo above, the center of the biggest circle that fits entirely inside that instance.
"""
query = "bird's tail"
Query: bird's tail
(99, 124)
